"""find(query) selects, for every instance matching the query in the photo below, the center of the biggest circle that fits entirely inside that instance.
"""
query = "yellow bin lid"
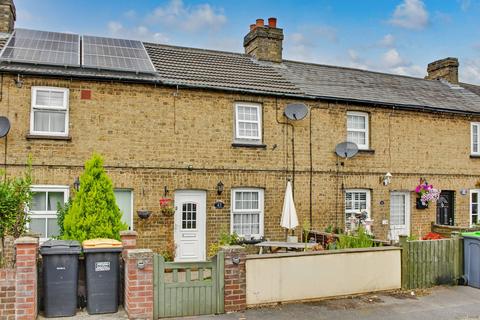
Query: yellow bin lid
(101, 243)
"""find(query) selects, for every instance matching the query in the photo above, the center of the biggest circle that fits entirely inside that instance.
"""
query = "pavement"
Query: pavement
(449, 303)
(437, 304)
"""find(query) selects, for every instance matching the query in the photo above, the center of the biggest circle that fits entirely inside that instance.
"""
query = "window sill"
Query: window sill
(249, 145)
(42, 137)
(366, 151)
(475, 156)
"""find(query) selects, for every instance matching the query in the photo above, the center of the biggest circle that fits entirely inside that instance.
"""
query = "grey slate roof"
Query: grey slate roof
(239, 72)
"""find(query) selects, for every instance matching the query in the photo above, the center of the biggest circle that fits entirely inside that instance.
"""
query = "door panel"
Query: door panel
(445, 208)
(190, 216)
(399, 215)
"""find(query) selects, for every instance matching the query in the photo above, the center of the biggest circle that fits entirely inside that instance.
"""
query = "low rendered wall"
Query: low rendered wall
(311, 275)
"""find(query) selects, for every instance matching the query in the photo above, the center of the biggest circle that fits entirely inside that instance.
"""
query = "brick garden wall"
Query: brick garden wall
(149, 138)
(7, 294)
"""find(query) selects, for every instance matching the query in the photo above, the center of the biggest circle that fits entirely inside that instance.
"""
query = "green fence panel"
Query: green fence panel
(188, 288)
(431, 262)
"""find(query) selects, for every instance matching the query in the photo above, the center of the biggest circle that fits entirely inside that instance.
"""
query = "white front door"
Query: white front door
(190, 218)
(399, 215)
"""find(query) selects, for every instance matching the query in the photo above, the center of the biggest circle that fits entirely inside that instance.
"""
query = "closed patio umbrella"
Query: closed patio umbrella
(289, 214)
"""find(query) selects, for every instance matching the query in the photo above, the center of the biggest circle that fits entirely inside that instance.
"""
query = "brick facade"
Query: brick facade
(235, 297)
(153, 136)
(7, 294)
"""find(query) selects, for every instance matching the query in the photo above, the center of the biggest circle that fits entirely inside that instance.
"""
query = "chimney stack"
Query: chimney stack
(264, 42)
(443, 69)
(7, 16)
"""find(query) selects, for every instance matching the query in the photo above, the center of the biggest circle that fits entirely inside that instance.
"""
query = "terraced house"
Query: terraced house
(207, 129)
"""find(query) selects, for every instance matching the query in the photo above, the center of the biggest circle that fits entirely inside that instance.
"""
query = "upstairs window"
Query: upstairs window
(357, 129)
(248, 122)
(475, 148)
(49, 115)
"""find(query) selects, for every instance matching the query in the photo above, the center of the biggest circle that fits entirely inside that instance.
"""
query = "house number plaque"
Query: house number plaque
(219, 204)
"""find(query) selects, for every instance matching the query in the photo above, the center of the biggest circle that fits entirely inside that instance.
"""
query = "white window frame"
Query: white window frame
(472, 191)
(260, 210)
(477, 125)
(131, 203)
(241, 138)
(34, 107)
(368, 199)
(48, 214)
(366, 130)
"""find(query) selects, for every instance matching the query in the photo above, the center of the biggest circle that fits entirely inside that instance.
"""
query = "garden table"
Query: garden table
(274, 246)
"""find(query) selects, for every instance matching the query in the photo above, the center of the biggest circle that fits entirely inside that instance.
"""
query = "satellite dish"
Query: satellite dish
(296, 111)
(4, 126)
(346, 149)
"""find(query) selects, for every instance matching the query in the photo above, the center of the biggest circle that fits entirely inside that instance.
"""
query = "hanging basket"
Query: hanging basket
(168, 211)
(420, 205)
(144, 214)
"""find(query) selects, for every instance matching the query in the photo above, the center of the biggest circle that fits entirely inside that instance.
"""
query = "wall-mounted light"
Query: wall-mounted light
(219, 187)
(76, 184)
(18, 81)
(387, 179)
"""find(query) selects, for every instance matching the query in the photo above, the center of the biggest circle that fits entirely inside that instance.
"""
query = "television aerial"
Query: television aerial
(296, 111)
(346, 149)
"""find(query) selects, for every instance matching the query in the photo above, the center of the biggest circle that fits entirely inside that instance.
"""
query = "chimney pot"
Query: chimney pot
(272, 22)
(260, 22)
(252, 26)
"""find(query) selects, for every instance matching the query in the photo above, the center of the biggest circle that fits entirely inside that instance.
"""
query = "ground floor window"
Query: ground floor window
(474, 201)
(247, 212)
(124, 199)
(43, 209)
(357, 201)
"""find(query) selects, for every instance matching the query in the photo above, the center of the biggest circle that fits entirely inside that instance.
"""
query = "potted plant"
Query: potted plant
(166, 207)
(144, 214)
(425, 194)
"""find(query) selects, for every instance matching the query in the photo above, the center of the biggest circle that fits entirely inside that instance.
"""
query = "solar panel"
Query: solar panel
(42, 47)
(115, 54)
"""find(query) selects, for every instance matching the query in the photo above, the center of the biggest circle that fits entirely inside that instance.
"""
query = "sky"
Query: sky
(394, 36)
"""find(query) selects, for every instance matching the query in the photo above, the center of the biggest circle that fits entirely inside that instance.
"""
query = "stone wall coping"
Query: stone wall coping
(318, 253)
(26, 240)
(139, 253)
(232, 248)
(128, 233)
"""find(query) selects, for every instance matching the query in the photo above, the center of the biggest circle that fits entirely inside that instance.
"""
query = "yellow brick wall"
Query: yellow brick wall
(149, 137)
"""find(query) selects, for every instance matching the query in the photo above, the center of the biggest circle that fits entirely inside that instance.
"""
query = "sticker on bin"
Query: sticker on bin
(61, 268)
(102, 266)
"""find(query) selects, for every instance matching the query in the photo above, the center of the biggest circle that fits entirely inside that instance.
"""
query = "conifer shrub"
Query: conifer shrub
(93, 212)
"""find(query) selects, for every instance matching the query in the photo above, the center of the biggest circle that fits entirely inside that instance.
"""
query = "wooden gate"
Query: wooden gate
(188, 288)
(426, 263)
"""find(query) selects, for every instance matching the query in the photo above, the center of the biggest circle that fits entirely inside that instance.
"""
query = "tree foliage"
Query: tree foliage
(15, 198)
(94, 212)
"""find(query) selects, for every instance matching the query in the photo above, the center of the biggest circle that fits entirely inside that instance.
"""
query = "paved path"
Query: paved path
(449, 303)
(442, 303)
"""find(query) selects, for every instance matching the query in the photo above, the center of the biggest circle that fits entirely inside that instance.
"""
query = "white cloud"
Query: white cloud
(116, 29)
(410, 14)
(130, 14)
(392, 59)
(388, 40)
(470, 71)
(198, 18)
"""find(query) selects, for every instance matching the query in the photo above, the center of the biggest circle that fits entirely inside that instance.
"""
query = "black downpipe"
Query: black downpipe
(311, 170)
(293, 146)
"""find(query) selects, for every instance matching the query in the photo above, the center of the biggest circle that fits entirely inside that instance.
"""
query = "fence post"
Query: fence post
(139, 283)
(235, 298)
(26, 278)
(458, 256)
(405, 273)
